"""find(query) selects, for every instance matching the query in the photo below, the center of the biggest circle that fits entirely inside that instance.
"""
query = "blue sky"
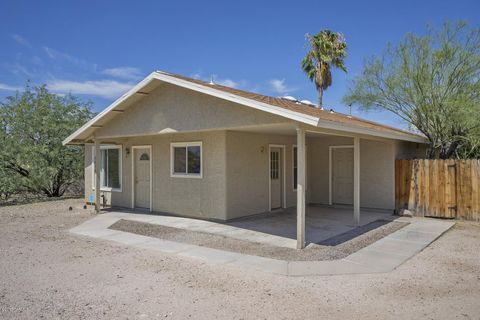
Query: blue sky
(99, 49)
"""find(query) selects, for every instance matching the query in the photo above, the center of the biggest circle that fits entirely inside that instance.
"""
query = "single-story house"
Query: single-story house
(188, 147)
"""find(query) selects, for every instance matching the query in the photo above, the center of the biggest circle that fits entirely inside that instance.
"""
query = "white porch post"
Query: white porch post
(97, 166)
(356, 180)
(300, 188)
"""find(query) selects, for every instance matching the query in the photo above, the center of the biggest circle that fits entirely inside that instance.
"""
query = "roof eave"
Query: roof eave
(289, 114)
(70, 139)
(371, 132)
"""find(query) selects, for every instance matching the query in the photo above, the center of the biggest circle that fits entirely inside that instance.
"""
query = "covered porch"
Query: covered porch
(302, 185)
(282, 175)
(324, 225)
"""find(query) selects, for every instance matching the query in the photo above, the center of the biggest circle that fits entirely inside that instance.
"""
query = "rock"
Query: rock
(405, 213)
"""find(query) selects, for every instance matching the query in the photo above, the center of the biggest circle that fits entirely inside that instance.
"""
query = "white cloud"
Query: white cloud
(20, 40)
(279, 86)
(19, 70)
(124, 72)
(108, 89)
(223, 82)
(58, 55)
(226, 82)
(7, 87)
(196, 76)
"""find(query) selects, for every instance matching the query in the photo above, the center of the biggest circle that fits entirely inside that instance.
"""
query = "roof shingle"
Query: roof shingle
(326, 115)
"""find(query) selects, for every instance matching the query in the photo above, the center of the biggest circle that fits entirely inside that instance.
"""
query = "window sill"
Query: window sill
(193, 176)
(109, 189)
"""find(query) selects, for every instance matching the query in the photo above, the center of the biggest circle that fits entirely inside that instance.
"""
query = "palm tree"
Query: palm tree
(326, 49)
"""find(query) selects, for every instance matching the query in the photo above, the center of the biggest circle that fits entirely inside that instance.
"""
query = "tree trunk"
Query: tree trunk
(431, 152)
(320, 98)
(447, 153)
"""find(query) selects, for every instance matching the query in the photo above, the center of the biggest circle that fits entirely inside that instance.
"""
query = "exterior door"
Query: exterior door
(276, 178)
(342, 177)
(142, 177)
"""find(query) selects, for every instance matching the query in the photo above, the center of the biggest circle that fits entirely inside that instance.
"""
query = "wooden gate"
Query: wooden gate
(439, 188)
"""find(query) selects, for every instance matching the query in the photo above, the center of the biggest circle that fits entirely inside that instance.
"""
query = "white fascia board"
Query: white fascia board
(371, 132)
(99, 116)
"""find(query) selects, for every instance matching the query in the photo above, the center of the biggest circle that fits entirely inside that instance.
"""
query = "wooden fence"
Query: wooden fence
(439, 188)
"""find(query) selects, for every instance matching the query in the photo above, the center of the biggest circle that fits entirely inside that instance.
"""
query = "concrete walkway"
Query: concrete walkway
(278, 229)
(381, 256)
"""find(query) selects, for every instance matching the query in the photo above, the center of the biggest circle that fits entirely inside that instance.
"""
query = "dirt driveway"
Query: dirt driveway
(47, 273)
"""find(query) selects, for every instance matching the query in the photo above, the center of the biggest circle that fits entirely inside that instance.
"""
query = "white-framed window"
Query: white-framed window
(110, 169)
(294, 168)
(274, 165)
(186, 159)
(295, 171)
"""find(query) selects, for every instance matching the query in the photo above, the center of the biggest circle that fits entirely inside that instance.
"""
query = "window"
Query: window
(144, 157)
(186, 159)
(274, 165)
(110, 170)
(295, 172)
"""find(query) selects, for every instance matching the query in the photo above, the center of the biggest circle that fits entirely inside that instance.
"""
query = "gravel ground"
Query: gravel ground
(48, 273)
(337, 247)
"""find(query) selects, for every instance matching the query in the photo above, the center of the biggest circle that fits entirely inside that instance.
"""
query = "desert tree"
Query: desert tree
(432, 82)
(33, 124)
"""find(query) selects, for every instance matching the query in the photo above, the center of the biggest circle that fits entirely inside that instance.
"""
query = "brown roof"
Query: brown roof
(298, 107)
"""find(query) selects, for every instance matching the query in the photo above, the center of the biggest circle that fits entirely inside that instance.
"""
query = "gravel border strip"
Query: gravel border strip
(337, 247)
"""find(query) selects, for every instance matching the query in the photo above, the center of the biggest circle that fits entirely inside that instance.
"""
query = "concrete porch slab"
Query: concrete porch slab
(382, 256)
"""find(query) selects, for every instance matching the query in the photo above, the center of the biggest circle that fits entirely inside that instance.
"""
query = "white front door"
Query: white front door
(276, 178)
(142, 177)
(342, 167)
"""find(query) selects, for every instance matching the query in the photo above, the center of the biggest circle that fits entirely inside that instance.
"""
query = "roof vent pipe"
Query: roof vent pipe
(290, 98)
(308, 102)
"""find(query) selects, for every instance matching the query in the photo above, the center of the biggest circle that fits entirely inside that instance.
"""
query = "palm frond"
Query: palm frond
(327, 49)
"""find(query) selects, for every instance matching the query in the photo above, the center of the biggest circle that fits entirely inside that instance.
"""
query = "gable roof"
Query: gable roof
(279, 106)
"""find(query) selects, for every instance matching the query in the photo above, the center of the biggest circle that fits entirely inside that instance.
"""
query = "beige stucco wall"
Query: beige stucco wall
(317, 166)
(409, 150)
(248, 181)
(235, 179)
(377, 174)
(247, 158)
(377, 189)
(204, 198)
(171, 108)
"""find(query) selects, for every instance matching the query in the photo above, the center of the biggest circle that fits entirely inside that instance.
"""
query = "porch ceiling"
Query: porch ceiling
(289, 129)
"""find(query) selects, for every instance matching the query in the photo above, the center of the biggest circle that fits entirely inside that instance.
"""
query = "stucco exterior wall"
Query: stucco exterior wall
(235, 179)
(203, 198)
(247, 156)
(173, 109)
(248, 180)
(317, 166)
(409, 150)
(377, 188)
(377, 174)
